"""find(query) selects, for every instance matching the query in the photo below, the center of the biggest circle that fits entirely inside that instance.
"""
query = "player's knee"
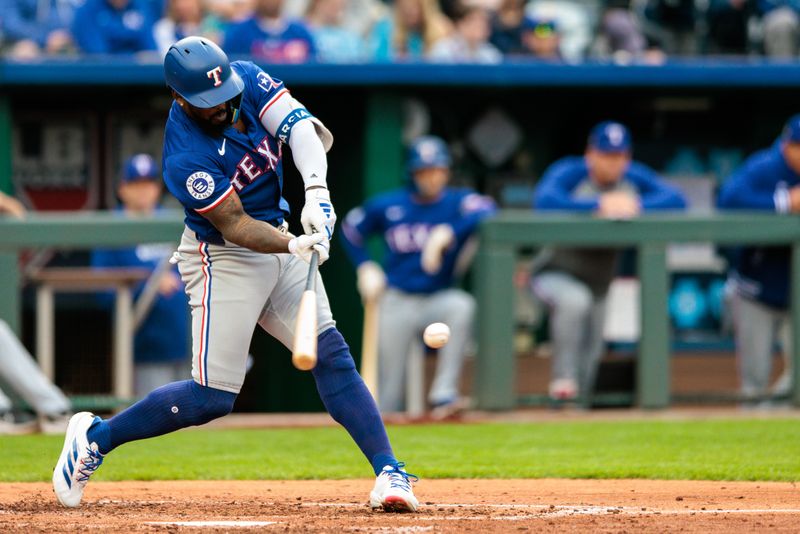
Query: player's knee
(463, 310)
(333, 354)
(576, 301)
(212, 403)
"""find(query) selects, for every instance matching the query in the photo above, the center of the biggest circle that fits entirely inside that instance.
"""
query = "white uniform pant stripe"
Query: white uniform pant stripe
(205, 324)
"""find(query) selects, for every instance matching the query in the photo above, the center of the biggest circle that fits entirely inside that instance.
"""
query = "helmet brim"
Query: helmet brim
(217, 95)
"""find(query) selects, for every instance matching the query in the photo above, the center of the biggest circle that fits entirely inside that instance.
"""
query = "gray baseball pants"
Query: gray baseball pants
(576, 327)
(403, 317)
(756, 328)
(19, 370)
(230, 290)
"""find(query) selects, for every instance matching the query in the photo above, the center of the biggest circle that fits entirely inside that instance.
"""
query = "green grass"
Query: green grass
(710, 450)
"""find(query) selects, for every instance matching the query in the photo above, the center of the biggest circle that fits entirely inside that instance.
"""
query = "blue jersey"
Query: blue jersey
(99, 28)
(566, 186)
(404, 223)
(761, 183)
(288, 42)
(202, 170)
(163, 335)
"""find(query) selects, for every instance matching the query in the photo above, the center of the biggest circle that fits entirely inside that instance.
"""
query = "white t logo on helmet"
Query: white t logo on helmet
(216, 74)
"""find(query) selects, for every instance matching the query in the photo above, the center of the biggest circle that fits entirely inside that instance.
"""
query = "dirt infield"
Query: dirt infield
(447, 506)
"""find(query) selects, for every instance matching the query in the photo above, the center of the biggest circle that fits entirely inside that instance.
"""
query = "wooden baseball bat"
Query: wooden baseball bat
(369, 346)
(304, 351)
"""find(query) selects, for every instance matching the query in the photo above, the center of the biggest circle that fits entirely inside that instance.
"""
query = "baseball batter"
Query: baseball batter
(223, 145)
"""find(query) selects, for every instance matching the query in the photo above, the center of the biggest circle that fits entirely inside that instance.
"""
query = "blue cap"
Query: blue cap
(541, 26)
(140, 167)
(426, 152)
(610, 136)
(791, 132)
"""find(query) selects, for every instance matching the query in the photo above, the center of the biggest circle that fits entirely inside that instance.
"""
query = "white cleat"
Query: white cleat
(78, 461)
(392, 490)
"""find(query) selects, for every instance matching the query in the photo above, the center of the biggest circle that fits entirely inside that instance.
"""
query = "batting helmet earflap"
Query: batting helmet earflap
(199, 71)
(426, 152)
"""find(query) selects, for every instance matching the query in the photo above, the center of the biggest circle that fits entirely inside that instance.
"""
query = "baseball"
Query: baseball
(436, 335)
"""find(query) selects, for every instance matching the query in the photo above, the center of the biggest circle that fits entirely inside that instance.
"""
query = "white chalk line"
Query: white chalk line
(201, 524)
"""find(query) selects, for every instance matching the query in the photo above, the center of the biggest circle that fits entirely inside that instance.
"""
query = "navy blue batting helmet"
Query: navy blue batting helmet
(199, 71)
(426, 152)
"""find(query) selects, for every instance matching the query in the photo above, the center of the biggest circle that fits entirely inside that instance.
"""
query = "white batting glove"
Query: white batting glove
(318, 214)
(439, 240)
(302, 247)
(371, 280)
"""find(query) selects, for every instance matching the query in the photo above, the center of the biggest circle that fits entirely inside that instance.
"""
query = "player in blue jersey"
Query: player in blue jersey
(222, 154)
(424, 227)
(768, 181)
(573, 282)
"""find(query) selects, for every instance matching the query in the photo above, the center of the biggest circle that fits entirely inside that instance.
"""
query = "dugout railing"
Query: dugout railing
(501, 239)
(504, 236)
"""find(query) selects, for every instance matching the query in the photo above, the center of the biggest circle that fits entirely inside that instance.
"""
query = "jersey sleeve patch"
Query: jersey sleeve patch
(200, 185)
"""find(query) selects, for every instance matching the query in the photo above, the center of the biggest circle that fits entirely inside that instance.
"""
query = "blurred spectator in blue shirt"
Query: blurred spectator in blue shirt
(335, 43)
(781, 27)
(114, 27)
(507, 27)
(35, 27)
(161, 348)
(469, 43)
(270, 37)
(184, 18)
(541, 39)
(410, 31)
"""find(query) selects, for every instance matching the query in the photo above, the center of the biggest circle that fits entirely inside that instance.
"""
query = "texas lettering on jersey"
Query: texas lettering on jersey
(248, 170)
(406, 238)
(406, 224)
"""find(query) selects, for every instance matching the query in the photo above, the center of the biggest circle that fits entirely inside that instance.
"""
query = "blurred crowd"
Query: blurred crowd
(346, 31)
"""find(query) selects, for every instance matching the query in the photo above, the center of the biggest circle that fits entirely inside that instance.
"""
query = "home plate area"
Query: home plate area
(446, 506)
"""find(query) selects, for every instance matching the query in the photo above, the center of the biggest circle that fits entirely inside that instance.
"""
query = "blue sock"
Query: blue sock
(349, 401)
(164, 410)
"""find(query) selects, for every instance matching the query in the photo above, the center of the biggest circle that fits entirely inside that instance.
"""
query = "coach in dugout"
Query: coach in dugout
(573, 282)
(769, 180)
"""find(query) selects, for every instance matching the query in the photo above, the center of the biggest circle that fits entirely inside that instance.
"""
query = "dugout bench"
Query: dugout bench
(502, 236)
(86, 279)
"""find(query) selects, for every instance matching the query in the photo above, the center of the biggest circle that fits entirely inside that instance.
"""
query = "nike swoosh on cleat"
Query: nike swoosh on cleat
(222, 150)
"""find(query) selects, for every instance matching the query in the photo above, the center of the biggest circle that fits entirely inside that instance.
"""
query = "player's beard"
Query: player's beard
(213, 121)
(216, 123)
